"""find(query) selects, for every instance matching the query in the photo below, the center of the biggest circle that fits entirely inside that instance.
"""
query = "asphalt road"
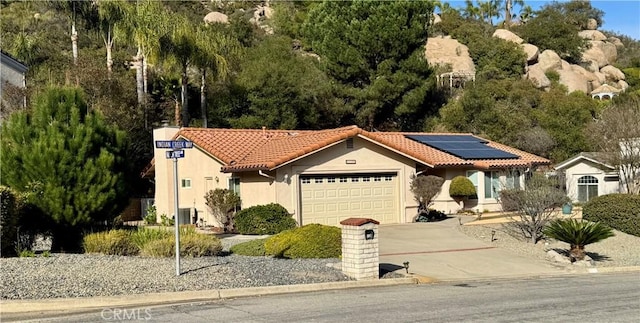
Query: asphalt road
(583, 298)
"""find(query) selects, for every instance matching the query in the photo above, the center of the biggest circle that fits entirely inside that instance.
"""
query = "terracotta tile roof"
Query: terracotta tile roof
(254, 149)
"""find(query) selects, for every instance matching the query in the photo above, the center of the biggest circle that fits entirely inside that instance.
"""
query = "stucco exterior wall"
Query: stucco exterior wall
(364, 157)
(197, 166)
(586, 168)
(283, 185)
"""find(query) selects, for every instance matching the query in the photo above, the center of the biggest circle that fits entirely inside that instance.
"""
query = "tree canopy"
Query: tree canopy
(375, 50)
(72, 161)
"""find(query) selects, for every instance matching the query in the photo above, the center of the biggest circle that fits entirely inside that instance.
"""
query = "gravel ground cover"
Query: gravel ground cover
(621, 250)
(83, 275)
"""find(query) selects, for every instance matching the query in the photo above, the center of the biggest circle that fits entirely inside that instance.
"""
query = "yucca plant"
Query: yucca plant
(577, 234)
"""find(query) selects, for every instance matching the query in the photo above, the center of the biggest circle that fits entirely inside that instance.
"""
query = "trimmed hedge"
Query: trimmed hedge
(309, 241)
(152, 243)
(112, 242)
(461, 186)
(264, 219)
(618, 211)
(250, 248)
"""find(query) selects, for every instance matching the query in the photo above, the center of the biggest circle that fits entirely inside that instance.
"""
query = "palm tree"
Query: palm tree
(145, 22)
(470, 11)
(526, 13)
(216, 49)
(508, 11)
(111, 13)
(577, 234)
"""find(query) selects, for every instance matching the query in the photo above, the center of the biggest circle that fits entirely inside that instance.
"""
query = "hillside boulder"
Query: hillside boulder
(595, 54)
(623, 85)
(602, 79)
(573, 80)
(592, 35)
(616, 41)
(216, 17)
(612, 73)
(549, 60)
(507, 35)
(445, 51)
(592, 24)
(531, 51)
(536, 75)
(588, 75)
(436, 19)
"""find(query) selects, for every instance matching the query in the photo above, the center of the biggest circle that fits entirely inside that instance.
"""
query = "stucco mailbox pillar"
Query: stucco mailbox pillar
(360, 258)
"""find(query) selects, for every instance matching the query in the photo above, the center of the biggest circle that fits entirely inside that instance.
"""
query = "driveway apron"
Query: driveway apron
(439, 250)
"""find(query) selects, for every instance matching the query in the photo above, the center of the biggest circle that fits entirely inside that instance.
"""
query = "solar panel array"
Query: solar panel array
(462, 146)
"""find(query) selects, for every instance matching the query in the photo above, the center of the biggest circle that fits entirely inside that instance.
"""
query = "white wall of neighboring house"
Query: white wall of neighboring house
(607, 178)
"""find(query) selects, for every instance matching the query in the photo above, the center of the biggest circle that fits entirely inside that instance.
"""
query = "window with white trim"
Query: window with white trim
(472, 175)
(185, 183)
(491, 185)
(587, 188)
(234, 185)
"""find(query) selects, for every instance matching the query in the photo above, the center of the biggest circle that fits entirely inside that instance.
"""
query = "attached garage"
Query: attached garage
(331, 198)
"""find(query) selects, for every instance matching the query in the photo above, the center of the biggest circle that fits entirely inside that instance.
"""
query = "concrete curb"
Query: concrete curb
(23, 309)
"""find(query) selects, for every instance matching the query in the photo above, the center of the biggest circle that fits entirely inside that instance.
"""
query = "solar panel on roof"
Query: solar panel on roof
(445, 138)
(463, 146)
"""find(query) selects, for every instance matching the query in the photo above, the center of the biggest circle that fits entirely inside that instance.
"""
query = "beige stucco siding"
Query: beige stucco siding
(201, 169)
(588, 168)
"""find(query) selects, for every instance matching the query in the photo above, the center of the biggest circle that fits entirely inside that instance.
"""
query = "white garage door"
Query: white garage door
(329, 199)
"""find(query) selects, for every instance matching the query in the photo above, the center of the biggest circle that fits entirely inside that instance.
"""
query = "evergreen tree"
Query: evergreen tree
(69, 159)
(375, 49)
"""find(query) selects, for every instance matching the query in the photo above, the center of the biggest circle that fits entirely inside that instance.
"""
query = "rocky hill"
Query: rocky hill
(596, 70)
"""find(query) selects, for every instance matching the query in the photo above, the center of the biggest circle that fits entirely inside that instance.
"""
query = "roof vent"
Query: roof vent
(349, 143)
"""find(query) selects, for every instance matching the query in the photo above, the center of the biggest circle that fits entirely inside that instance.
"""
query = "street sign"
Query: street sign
(175, 154)
(174, 144)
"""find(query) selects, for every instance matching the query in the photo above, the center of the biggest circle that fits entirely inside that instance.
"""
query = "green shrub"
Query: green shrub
(250, 248)
(431, 216)
(26, 253)
(112, 242)
(577, 233)
(166, 221)
(461, 186)
(200, 245)
(20, 221)
(264, 219)
(191, 245)
(618, 211)
(142, 236)
(152, 215)
(309, 241)
(159, 248)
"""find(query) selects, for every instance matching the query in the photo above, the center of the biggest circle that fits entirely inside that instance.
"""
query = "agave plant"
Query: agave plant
(577, 234)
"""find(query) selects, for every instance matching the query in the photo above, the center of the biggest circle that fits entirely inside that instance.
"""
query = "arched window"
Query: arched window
(587, 188)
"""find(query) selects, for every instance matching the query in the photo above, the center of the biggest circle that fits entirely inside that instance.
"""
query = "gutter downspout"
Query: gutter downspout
(265, 175)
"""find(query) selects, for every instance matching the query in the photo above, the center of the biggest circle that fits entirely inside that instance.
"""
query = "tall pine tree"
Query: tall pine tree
(70, 159)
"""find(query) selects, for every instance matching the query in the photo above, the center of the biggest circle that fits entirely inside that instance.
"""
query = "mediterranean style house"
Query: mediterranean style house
(325, 176)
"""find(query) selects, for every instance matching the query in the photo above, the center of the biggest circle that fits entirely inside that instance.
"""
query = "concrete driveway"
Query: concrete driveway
(438, 250)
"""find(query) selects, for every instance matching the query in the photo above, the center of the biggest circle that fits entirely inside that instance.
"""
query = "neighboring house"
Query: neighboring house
(12, 73)
(587, 175)
(325, 176)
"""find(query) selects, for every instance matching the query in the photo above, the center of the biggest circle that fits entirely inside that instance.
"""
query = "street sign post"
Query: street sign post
(174, 144)
(176, 152)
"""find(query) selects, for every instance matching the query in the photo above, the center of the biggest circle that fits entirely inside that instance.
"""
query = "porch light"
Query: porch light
(369, 234)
